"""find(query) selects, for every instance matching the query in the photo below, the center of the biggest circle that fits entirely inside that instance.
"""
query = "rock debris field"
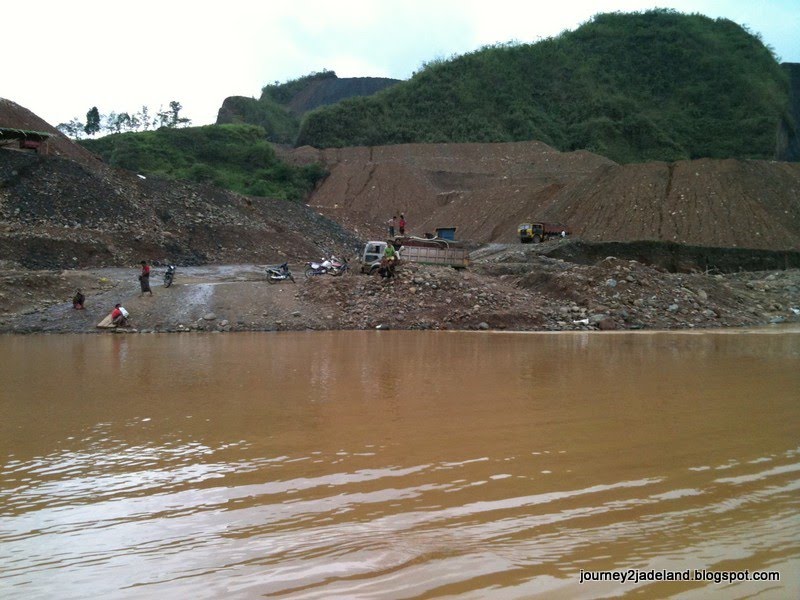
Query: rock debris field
(507, 289)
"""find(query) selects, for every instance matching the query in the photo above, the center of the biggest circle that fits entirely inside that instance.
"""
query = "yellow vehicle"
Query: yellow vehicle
(540, 232)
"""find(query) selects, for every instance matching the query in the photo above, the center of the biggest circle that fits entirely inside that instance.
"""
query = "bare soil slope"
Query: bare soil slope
(68, 209)
(721, 203)
(486, 190)
(17, 117)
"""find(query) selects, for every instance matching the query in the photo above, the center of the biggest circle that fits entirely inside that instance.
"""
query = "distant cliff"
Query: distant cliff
(330, 90)
(282, 105)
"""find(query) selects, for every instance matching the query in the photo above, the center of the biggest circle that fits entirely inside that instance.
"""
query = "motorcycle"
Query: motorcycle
(279, 273)
(330, 266)
(169, 275)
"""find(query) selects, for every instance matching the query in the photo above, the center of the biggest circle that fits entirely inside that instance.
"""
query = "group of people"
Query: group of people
(393, 224)
(390, 255)
(119, 315)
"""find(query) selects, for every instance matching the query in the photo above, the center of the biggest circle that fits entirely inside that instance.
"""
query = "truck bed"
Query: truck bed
(451, 257)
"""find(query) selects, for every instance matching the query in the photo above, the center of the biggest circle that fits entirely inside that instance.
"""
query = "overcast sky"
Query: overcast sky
(61, 57)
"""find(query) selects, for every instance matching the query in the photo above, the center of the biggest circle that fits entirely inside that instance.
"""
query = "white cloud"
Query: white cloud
(119, 56)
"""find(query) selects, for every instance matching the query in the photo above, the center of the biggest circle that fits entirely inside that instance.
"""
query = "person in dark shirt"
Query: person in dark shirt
(78, 299)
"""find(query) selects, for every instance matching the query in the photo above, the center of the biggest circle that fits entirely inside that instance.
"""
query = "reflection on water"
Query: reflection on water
(396, 464)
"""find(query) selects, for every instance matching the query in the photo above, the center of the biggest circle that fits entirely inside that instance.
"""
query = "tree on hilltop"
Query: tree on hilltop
(92, 121)
(71, 129)
(115, 122)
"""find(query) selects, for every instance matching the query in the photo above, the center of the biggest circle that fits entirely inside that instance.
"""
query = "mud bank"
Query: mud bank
(508, 290)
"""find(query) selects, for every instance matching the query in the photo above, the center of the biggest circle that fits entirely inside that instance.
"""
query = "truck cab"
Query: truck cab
(371, 256)
(538, 232)
(525, 231)
(426, 251)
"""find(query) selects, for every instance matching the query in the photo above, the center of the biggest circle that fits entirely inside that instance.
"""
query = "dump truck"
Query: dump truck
(539, 232)
(428, 251)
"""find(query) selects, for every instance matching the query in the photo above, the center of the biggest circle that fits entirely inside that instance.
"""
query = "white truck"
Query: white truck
(428, 251)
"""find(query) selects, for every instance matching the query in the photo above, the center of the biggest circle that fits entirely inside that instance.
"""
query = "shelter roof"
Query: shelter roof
(8, 133)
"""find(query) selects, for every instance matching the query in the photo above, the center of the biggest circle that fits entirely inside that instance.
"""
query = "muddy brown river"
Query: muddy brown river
(393, 464)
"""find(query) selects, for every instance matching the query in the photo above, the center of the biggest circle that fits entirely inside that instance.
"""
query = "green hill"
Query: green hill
(279, 125)
(236, 157)
(282, 105)
(657, 85)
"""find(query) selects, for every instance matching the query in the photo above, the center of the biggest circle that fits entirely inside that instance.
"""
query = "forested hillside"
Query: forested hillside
(657, 85)
(235, 157)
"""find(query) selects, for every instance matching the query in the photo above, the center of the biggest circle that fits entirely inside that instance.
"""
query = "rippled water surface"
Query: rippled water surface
(397, 464)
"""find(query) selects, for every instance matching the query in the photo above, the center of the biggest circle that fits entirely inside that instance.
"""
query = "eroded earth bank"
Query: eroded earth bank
(507, 287)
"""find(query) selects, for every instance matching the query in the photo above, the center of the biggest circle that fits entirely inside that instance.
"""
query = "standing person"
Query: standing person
(78, 299)
(144, 279)
(391, 223)
(389, 260)
(402, 225)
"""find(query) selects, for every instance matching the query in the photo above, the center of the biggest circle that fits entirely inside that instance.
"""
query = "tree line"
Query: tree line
(114, 122)
(236, 157)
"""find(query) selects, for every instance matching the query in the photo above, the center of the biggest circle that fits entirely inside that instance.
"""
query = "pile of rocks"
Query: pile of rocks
(553, 295)
(57, 213)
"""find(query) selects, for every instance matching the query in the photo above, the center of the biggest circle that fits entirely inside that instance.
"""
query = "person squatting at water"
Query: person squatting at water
(144, 279)
(78, 299)
(119, 316)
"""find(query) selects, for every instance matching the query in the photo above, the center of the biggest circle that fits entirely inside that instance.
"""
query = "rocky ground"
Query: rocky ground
(659, 242)
(505, 288)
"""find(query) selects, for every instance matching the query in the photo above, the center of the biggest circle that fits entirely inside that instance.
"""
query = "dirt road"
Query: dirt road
(506, 287)
(208, 298)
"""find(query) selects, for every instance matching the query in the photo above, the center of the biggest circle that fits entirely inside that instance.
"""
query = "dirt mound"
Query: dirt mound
(483, 189)
(720, 203)
(57, 213)
(14, 116)
(672, 257)
(486, 190)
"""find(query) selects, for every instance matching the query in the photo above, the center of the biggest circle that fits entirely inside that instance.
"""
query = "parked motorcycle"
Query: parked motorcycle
(279, 273)
(328, 266)
(169, 275)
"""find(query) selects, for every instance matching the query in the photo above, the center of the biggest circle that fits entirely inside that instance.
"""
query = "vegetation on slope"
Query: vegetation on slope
(279, 125)
(271, 111)
(281, 105)
(656, 85)
(236, 157)
(282, 93)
